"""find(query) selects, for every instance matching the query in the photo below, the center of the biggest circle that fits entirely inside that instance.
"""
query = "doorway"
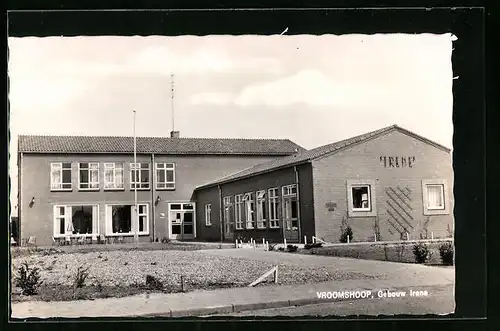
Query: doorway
(181, 221)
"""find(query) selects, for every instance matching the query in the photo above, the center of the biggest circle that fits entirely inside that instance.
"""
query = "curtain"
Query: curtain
(435, 196)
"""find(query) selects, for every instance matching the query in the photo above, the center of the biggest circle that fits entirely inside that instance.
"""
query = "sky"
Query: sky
(313, 90)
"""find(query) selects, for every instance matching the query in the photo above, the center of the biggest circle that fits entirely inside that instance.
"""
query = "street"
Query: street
(439, 301)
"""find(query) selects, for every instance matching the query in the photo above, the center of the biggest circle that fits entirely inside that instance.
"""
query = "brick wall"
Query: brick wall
(393, 186)
(191, 171)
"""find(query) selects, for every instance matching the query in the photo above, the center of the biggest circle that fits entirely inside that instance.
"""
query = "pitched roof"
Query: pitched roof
(308, 155)
(159, 145)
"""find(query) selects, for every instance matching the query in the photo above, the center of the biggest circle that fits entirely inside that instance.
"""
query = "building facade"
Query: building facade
(74, 187)
(388, 184)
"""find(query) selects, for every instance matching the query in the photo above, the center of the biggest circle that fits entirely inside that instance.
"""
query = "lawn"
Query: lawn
(116, 273)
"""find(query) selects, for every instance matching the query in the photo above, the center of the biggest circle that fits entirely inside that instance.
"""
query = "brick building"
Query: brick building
(386, 184)
(83, 187)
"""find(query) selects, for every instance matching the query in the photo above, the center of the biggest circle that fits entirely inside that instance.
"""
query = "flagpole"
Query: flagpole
(136, 229)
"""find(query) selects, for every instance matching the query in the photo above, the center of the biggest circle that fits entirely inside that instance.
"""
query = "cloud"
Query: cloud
(307, 86)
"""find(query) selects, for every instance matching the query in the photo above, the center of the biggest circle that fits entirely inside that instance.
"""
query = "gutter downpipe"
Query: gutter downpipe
(298, 203)
(220, 215)
(153, 193)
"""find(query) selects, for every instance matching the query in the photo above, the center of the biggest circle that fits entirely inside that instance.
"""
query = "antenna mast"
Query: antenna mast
(172, 100)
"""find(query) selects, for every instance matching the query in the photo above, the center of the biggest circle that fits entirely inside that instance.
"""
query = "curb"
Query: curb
(235, 308)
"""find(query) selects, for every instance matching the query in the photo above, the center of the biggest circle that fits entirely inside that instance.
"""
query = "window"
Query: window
(60, 176)
(238, 211)
(261, 210)
(139, 175)
(208, 214)
(273, 208)
(290, 206)
(88, 178)
(120, 219)
(113, 176)
(228, 219)
(75, 220)
(143, 217)
(435, 197)
(165, 175)
(361, 200)
(249, 210)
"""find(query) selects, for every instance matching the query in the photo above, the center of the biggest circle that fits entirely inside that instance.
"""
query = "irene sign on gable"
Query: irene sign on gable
(397, 161)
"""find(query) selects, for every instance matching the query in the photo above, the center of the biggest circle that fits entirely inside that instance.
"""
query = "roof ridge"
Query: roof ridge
(156, 137)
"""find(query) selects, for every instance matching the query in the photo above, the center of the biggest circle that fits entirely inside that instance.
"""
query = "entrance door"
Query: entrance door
(181, 220)
(228, 219)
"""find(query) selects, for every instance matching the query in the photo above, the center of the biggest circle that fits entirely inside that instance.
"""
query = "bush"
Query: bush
(345, 233)
(292, 248)
(446, 251)
(313, 245)
(28, 279)
(153, 283)
(421, 252)
(80, 277)
(165, 240)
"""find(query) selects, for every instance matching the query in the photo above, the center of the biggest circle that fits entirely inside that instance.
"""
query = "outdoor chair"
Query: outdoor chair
(120, 240)
(94, 240)
(81, 240)
(55, 241)
(68, 240)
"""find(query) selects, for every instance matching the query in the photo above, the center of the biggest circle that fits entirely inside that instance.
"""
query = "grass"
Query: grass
(123, 272)
(380, 252)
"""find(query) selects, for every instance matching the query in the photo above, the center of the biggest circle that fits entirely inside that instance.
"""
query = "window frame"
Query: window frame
(108, 228)
(238, 215)
(143, 214)
(88, 170)
(274, 223)
(132, 167)
(445, 196)
(68, 215)
(208, 214)
(372, 198)
(249, 201)
(61, 173)
(260, 208)
(114, 170)
(288, 195)
(165, 169)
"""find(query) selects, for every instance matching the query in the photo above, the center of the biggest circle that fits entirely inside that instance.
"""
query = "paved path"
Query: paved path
(403, 273)
(225, 301)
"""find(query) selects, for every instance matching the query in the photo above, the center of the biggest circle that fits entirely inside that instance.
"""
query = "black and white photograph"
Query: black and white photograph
(231, 175)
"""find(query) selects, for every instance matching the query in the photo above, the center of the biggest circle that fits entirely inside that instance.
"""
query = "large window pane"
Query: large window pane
(121, 219)
(82, 219)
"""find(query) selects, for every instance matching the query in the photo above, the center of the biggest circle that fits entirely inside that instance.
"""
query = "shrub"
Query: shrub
(80, 277)
(446, 251)
(347, 231)
(153, 283)
(271, 247)
(313, 245)
(28, 279)
(292, 248)
(421, 252)
(165, 240)
(281, 249)
(400, 250)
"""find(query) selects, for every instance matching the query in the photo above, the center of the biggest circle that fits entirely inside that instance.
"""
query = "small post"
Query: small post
(348, 239)
(375, 236)
(182, 283)
(263, 241)
(254, 246)
(305, 240)
(432, 235)
(276, 275)
(284, 242)
(251, 241)
(407, 236)
(267, 245)
(236, 243)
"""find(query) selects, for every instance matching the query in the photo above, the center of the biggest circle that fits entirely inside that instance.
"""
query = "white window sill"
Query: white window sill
(435, 209)
(88, 189)
(114, 189)
(139, 189)
(61, 189)
(128, 234)
(361, 210)
(76, 235)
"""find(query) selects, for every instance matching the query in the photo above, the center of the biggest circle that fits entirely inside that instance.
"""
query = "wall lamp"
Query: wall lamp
(157, 200)
(32, 202)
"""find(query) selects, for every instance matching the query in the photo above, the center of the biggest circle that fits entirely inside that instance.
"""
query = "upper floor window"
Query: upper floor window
(88, 178)
(60, 176)
(113, 175)
(165, 175)
(139, 175)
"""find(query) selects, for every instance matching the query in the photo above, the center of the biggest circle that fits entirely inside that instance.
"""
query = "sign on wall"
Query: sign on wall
(398, 161)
